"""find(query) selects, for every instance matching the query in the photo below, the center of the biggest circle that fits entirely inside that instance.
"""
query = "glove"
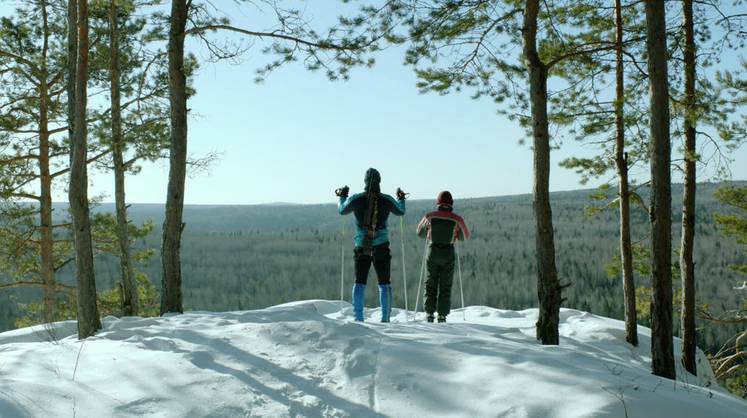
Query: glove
(343, 191)
(401, 195)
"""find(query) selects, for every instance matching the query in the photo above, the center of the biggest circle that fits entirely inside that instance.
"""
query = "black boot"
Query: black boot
(441, 318)
(429, 318)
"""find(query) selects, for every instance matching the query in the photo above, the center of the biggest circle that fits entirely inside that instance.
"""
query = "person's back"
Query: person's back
(383, 206)
(371, 209)
(442, 228)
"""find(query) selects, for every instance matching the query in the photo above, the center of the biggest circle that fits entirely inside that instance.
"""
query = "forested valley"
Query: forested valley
(248, 257)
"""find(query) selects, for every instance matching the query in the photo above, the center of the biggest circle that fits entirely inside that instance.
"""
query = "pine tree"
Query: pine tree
(548, 285)
(662, 354)
(590, 121)
(465, 45)
(88, 315)
(621, 161)
(129, 288)
(137, 115)
(729, 361)
(136, 128)
(37, 251)
(171, 296)
(336, 53)
(586, 113)
(687, 266)
(30, 107)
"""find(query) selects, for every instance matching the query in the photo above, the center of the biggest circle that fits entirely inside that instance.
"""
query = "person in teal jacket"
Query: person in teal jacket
(371, 209)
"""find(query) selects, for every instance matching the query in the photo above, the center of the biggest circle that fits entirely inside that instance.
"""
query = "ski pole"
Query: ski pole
(461, 290)
(404, 268)
(342, 267)
(422, 273)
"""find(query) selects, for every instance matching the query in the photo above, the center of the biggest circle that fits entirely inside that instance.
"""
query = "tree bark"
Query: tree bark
(621, 160)
(548, 286)
(72, 68)
(687, 266)
(128, 286)
(49, 298)
(171, 295)
(662, 355)
(88, 316)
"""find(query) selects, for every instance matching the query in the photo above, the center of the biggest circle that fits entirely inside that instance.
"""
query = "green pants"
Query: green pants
(440, 277)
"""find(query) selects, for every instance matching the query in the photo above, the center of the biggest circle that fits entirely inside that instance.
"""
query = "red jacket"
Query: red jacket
(443, 227)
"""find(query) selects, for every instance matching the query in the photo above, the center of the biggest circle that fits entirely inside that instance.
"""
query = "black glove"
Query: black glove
(401, 195)
(343, 191)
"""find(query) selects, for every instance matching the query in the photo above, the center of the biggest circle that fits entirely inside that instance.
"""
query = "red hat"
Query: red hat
(445, 199)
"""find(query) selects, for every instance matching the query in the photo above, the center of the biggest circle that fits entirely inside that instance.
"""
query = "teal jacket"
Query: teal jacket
(358, 203)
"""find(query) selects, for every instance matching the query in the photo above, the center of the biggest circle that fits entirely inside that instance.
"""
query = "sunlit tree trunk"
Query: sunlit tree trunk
(128, 286)
(687, 266)
(621, 160)
(171, 296)
(72, 67)
(548, 286)
(662, 354)
(45, 205)
(88, 316)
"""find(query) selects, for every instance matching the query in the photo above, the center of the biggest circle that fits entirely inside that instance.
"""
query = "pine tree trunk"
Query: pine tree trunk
(171, 296)
(45, 212)
(72, 67)
(687, 266)
(88, 316)
(662, 354)
(49, 298)
(128, 287)
(548, 286)
(621, 160)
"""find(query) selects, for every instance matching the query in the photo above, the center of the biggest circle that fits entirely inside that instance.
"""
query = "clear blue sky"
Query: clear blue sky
(297, 137)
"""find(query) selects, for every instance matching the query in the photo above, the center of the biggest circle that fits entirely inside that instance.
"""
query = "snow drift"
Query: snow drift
(307, 359)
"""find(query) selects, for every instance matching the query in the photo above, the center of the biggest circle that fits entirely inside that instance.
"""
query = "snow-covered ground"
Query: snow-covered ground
(305, 359)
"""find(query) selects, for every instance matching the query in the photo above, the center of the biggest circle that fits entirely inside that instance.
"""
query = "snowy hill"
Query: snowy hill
(304, 359)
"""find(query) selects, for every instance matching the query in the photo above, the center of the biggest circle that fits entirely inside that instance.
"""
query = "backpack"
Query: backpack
(369, 220)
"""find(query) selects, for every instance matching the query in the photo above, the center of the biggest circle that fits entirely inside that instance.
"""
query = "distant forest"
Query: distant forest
(248, 257)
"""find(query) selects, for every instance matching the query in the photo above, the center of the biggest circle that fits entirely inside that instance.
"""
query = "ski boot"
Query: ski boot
(442, 318)
(385, 301)
(359, 292)
(429, 318)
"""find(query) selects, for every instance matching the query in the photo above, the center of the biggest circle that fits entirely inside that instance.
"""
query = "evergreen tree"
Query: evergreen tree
(548, 285)
(171, 288)
(466, 43)
(137, 126)
(614, 126)
(130, 303)
(687, 266)
(662, 355)
(730, 361)
(589, 116)
(621, 161)
(29, 114)
(88, 314)
(31, 164)
(337, 52)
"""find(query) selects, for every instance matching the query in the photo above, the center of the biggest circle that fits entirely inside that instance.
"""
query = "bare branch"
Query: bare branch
(89, 161)
(25, 196)
(275, 35)
(58, 286)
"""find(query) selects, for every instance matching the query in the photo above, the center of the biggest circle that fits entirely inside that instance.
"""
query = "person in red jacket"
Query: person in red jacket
(442, 228)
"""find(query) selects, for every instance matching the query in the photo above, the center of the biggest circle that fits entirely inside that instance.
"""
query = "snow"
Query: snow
(307, 359)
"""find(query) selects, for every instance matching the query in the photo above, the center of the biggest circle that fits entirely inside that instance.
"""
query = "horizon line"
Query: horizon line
(332, 203)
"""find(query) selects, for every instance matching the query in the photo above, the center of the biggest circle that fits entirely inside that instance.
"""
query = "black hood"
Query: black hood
(372, 180)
